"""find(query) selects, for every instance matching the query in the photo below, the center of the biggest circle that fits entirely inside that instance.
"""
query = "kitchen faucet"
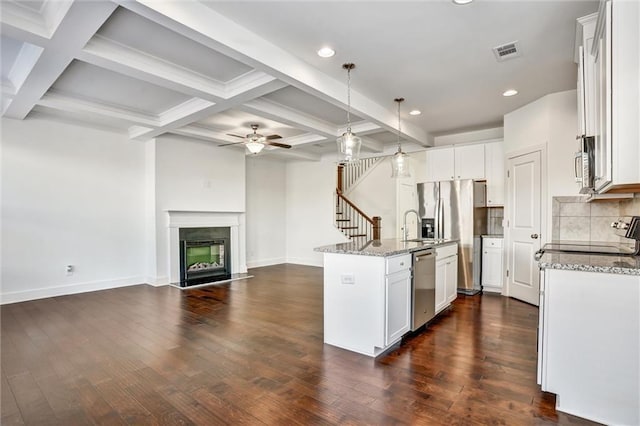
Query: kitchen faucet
(404, 225)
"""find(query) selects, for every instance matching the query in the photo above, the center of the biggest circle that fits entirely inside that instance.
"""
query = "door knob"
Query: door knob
(534, 236)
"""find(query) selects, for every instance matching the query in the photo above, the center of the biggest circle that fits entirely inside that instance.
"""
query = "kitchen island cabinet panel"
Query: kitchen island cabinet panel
(366, 310)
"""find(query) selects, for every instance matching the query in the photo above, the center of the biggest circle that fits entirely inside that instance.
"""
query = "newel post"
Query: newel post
(340, 174)
(376, 227)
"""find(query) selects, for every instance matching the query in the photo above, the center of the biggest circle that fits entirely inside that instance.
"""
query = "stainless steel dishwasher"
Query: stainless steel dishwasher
(424, 287)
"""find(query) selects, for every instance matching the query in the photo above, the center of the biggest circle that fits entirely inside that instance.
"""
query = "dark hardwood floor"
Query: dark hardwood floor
(251, 352)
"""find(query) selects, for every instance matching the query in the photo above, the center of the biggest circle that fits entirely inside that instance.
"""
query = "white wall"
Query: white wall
(552, 122)
(196, 176)
(375, 195)
(266, 211)
(310, 217)
(70, 195)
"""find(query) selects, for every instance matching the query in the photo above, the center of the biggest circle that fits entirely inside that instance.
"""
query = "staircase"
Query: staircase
(352, 221)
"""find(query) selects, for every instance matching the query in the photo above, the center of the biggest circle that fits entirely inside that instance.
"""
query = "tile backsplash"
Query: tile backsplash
(494, 220)
(575, 219)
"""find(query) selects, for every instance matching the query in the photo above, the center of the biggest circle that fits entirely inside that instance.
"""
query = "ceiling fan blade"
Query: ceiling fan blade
(279, 145)
(232, 143)
(235, 136)
(274, 137)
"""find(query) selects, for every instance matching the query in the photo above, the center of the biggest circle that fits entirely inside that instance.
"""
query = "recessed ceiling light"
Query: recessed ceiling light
(462, 1)
(415, 112)
(326, 52)
(510, 92)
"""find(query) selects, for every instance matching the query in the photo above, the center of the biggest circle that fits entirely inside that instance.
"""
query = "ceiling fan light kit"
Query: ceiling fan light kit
(400, 161)
(349, 144)
(255, 142)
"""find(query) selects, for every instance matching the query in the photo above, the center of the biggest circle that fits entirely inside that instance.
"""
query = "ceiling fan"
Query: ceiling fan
(255, 141)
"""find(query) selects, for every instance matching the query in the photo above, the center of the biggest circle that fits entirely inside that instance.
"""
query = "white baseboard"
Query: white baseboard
(41, 293)
(306, 261)
(157, 281)
(265, 262)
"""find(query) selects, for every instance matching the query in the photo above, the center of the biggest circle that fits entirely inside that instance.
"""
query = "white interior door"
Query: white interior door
(523, 223)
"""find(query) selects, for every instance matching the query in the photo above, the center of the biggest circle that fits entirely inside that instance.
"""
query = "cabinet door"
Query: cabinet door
(494, 161)
(492, 267)
(602, 65)
(441, 289)
(397, 305)
(469, 162)
(440, 164)
(451, 278)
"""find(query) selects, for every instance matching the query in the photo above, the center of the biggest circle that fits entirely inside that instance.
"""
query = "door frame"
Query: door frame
(544, 206)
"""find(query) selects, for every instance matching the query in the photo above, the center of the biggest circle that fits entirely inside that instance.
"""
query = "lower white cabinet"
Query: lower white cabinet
(492, 264)
(397, 305)
(446, 276)
(367, 301)
(589, 344)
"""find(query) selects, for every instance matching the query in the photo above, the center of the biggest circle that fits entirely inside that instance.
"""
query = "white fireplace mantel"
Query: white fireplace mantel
(177, 219)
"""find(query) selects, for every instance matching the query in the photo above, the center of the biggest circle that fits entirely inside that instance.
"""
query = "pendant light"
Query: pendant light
(400, 161)
(349, 144)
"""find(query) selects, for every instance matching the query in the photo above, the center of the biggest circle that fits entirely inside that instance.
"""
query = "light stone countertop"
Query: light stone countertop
(625, 265)
(382, 248)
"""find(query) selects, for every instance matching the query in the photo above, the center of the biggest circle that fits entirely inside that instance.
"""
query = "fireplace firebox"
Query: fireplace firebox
(204, 260)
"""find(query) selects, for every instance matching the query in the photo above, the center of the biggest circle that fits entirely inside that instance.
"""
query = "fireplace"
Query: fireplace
(205, 255)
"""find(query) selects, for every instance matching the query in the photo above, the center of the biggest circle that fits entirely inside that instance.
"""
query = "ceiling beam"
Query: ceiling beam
(197, 109)
(294, 154)
(76, 26)
(201, 23)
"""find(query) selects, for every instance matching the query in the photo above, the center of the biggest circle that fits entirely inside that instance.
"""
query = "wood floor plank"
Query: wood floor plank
(252, 352)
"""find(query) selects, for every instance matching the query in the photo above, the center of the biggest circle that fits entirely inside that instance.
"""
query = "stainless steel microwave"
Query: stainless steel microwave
(584, 165)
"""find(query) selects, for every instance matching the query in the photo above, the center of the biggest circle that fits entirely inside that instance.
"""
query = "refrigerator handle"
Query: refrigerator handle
(441, 213)
(436, 231)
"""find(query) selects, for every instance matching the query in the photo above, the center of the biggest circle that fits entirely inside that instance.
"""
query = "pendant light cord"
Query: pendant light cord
(349, 99)
(399, 101)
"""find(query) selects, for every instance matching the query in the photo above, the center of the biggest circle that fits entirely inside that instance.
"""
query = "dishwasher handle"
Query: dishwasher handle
(421, 256)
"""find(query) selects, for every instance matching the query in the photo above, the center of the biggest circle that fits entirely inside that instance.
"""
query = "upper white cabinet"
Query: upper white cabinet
(608, 86)
(440, 164)
(457, 162)
(469, 161)
(494, 170)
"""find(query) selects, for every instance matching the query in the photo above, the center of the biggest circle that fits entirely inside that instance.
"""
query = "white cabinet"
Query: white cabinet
(446, 276)
(367, 301)
(492, 269)
(457, 162)
(608, 90)
(451, 278)
(440, 164)
(469, 161)
(397, 305)
(589, 344)
(495, 172)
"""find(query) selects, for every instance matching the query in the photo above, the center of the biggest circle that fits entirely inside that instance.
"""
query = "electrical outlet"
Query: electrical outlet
(347, 279)
(69, 269)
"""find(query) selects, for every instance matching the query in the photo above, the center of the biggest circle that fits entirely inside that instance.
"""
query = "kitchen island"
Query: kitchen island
(589, 335)
(368, 291)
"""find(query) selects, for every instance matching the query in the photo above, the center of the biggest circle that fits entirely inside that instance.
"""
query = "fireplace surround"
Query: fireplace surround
(178, 220)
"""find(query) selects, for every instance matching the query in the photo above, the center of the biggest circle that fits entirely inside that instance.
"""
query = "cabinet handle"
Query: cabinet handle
(534, 236)
(401, 263)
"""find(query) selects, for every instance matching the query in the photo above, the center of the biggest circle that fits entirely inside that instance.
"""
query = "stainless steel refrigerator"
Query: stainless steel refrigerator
(456, 210)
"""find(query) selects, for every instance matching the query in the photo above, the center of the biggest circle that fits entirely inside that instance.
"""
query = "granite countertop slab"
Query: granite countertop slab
(492, 236)
(383, 248)
(626, 265)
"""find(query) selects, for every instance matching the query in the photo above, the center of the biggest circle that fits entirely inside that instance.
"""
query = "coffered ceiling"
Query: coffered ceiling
(206, 69)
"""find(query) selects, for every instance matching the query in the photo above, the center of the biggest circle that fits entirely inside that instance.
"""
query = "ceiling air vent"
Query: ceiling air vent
(507, 51)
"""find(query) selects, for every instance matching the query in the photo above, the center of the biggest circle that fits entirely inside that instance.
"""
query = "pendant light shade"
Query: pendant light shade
(349, 144)
(400, 161)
